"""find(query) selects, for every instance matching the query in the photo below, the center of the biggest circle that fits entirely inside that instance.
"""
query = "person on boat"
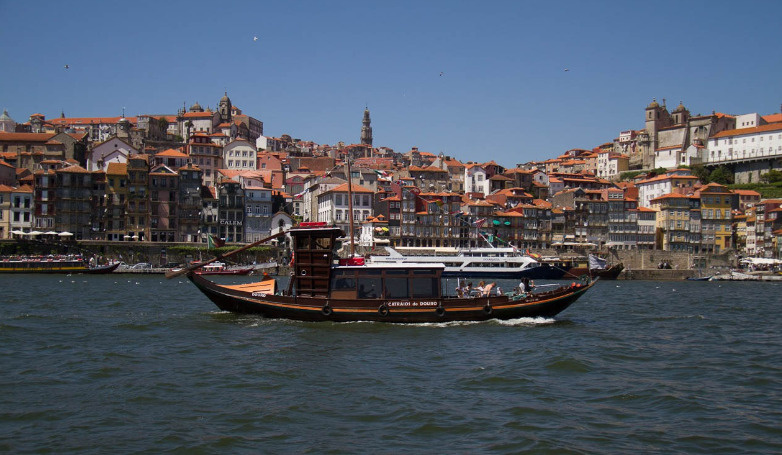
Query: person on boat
(526, 285)
(480, 287)
(468, 290)
(499, 290)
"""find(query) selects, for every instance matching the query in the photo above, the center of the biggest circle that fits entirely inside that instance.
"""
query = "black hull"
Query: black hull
(610, 273)
(102, 270)
(439, 310)
(47, 268)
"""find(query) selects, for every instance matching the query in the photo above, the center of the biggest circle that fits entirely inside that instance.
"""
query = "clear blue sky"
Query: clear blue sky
(504, 93)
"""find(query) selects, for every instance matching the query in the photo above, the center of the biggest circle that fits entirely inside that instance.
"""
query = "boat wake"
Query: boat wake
(527, 321)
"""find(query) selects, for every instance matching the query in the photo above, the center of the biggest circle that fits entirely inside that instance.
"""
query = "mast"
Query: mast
(350, 203)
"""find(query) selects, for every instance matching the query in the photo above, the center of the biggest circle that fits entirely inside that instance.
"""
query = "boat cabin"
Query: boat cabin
(315, 272)
(387, 281)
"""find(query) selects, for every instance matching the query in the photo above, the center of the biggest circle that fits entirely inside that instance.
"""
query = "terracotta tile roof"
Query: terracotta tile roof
(75, 169)
(117, 168)
(25, 137)
(89, 120)
(172, 153)
(754, 130)
(660, 178)
(673, 196)
(344, 189)
(773, 118)
(205, 114)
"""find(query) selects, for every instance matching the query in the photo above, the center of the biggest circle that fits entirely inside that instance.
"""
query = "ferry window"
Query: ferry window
(323, 243)
(369, 288)
(302, 243)
(396, 288)
(423, 272)
(345, 282)
(424, 287)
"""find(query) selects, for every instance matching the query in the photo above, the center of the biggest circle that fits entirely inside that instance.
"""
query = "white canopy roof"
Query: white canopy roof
(763, 261)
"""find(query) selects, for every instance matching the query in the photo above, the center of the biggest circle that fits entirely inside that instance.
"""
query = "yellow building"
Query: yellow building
(717, 217)
(678, 222)
(116, 200)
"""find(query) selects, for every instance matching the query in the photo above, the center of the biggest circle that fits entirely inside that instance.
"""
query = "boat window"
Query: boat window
(323, 243)
(369, 288)
(423, 272)
(396, 272)
(424, 287)
(396, 288)
(344, 283)
(302, 242)
(365, 272)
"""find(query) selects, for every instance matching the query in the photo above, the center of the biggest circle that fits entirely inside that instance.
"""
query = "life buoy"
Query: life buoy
(440, 311)
(303, 272)
(487, 308)
(383, 310)
(326, 310)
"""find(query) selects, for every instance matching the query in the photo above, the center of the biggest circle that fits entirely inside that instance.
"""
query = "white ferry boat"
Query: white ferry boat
(497, 263)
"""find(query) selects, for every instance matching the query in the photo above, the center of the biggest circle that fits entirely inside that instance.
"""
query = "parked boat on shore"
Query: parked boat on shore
(220, 268)
(403, 292)
(596, 267)
(53, 264)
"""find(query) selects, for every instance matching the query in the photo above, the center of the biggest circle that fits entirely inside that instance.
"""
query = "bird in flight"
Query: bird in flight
(567, 69)
(441, 73)
(255, 38)
(67, 66)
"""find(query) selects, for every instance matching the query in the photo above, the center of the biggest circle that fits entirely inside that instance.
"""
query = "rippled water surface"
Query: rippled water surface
(125, 363)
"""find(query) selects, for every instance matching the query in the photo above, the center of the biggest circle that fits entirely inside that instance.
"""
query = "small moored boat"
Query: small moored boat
(219, 268)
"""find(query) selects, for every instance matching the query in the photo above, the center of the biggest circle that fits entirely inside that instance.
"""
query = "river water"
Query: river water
(138, 364)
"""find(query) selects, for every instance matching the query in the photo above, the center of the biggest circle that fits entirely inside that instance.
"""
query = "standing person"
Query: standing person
(523, 285)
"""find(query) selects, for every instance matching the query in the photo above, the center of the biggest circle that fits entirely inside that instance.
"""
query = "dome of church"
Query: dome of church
(680, 107)
(225, 99)
(653, 104)
(5, 116)
(196, 108)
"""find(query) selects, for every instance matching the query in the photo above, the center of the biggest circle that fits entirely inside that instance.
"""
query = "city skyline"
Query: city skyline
(510, 82)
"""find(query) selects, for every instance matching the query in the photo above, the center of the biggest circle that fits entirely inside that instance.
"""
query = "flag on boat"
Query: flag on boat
(212, 242)
(480, 222)
(596, 262)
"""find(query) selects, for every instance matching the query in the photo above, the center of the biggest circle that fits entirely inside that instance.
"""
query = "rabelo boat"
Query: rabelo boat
(324, 288)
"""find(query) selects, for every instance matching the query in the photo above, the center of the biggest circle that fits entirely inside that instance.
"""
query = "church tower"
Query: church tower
(366, 129)
(224, 107)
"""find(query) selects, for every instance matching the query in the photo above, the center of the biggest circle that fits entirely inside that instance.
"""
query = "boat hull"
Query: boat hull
(610, 273)
(53, 268)
(439, 310)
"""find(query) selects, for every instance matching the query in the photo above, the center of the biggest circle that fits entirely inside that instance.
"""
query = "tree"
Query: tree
(702, 173)
(721, 175)
(772, 176)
